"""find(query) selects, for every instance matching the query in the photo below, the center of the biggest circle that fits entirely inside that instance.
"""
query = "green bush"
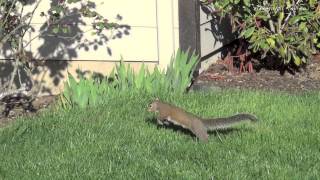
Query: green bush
(283, 29)
(90, 92)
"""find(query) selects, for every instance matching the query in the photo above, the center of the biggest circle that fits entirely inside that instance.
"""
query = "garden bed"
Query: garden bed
(218, 77)
(39, 104)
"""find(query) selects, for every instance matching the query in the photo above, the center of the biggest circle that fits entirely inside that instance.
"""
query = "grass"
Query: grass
(120, 141)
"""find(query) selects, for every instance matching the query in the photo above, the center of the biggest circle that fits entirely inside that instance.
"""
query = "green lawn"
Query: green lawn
(120, 141)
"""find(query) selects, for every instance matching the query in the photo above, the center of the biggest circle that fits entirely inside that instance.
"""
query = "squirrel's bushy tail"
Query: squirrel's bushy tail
(225, 122)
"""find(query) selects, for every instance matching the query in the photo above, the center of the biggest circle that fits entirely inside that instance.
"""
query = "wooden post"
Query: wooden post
(189, 25)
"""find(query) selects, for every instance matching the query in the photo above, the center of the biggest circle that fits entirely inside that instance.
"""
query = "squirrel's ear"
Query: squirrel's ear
(157, 99)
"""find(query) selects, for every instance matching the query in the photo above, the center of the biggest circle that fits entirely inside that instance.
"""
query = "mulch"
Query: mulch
(218, 77)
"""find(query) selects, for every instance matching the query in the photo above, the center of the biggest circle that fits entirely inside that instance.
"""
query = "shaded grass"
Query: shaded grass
(120, 140)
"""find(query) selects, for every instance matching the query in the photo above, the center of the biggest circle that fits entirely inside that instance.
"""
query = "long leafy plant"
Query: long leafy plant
(89, 92)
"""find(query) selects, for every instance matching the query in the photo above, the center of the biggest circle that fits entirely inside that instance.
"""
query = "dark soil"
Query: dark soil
(38, 104)
(218, 77)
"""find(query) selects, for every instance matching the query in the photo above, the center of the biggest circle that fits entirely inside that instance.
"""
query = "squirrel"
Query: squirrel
(168, 113)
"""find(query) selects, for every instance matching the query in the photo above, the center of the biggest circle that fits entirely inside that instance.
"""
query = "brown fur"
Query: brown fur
(198, 126)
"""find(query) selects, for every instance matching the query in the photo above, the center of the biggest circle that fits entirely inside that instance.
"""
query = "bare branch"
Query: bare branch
(272, 28)
(22, 25)
(289, 15)
(32, 15)
(5, 38)
(57, 22)
(8, 12)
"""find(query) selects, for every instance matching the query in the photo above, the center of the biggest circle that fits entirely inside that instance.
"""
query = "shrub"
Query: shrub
(285, 30)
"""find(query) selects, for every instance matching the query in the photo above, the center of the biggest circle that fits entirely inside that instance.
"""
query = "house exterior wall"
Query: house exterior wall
(150, 36)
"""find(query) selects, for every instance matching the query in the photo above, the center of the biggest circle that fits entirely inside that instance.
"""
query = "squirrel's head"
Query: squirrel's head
(153, 107)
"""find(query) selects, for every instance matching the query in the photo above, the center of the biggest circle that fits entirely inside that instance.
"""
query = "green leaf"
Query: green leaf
(56, 30)
(271, 42)
(264, 45)
(303, 59)
(281, 16)
(140, 79)
(249, 32)
(100, 25)
(297, 60)
(294, 20)
(314, 40)
(236, 1)
(282, 52)
(56, 9)
(312, 3)
(303, 27)
(71, 81)
(247, 3)
(65, 30)
(288, 4)
(288, 58)
(73, 1)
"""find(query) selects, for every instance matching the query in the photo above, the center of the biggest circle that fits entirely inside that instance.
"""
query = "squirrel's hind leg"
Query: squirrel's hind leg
(200, 131)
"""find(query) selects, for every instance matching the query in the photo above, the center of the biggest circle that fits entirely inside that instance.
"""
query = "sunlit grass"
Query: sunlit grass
(120, 140)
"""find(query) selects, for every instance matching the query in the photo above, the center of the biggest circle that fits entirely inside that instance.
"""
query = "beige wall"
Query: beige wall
(153, 33)
(152, 39)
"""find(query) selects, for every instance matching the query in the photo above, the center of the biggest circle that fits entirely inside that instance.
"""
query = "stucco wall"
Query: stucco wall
(214, 35)
(150, 35)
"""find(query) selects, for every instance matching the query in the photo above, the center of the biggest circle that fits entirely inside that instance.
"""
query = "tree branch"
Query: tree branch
(289, 15)
(22, 25)
(8, 12)
(32, 15)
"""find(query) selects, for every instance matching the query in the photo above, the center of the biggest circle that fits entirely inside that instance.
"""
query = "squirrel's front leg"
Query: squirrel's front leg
(160, 121)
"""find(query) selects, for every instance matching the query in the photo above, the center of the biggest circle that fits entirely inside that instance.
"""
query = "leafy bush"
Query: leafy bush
(89, 92)
(282, 29)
